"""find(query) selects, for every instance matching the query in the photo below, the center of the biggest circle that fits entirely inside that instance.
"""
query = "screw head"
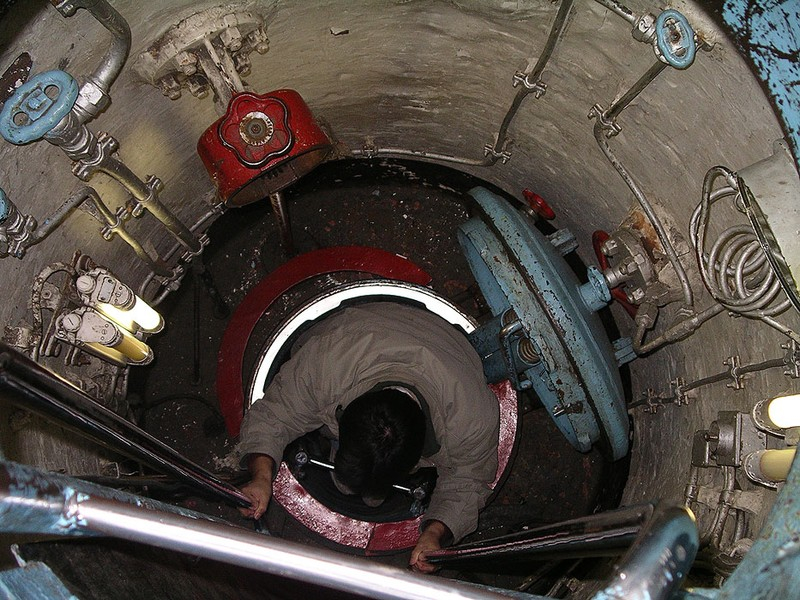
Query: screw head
(71, 322)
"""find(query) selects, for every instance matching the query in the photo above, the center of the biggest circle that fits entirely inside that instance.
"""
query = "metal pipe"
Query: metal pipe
(729, 268)
(157, 265)
(619, 9)
(266, 554)
(623, 101)
(196, 324)
(88, 194)
(691, 490)
(656, 565)
(371, 152)
(92, 153)
(669, 249)
(531, 81)
(36, 502)
(496, 150)
(556, 30)
(217, 209)
(147, 196)
(49, 225)
(41, 391)
(604, 534)
(676, 332)
(110, 66)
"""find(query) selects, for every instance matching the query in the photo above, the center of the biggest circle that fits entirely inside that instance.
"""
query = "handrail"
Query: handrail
(41, 391)
(662, 543)
(35, 502)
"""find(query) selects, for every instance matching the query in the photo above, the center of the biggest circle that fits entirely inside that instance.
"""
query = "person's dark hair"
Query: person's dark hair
(380, 439)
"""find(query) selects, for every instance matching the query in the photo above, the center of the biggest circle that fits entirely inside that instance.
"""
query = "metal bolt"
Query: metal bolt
(231, 38)
(107, 141)
(198, 86)
(242, 63)
(636, 295)
(71, 322)
(84, 284)
(187, 63)
(260, 41)
(170, 87)
(628, 266)
(154, 183)
(609, 247)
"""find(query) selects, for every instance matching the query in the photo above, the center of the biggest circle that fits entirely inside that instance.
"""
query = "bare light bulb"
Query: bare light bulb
(90, 330)
(784, 411)
(116, 301)
(139, 317)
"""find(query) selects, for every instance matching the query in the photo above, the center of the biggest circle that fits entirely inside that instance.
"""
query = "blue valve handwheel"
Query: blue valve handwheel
(674, 35)
(37, 106)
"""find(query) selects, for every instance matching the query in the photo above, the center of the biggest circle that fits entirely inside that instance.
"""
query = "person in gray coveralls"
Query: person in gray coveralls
(392, 383)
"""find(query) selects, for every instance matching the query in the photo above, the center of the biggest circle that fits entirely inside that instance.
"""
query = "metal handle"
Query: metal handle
(662, 541)
(41, 391)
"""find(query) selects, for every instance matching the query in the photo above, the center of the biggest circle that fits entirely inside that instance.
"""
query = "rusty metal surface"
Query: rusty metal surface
(15, 76)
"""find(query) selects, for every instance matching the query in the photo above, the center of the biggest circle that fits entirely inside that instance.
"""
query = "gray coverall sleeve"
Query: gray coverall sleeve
(290, 407)
(463, 485)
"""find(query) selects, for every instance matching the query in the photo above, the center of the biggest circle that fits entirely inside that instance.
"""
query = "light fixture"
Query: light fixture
(769, 467)
(110, 297)
(88, 330)
(776, 415)
(784, 411)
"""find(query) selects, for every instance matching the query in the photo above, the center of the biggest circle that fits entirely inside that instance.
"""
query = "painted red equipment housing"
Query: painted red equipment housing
(262, 144)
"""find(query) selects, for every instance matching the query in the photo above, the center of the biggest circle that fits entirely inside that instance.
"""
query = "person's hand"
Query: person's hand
(430, 539)
(259, 490)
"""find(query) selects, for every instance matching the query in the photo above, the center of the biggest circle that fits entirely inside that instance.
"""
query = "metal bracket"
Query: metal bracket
(15, 231)
(210, 48)
(538, 87)
(155, 186)
(792, 359)
(84, 168)
(681, 395)
(121, 215)
(677, 395)
(610, 126)
(737, 379)
(726, 442)
(504, 155)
